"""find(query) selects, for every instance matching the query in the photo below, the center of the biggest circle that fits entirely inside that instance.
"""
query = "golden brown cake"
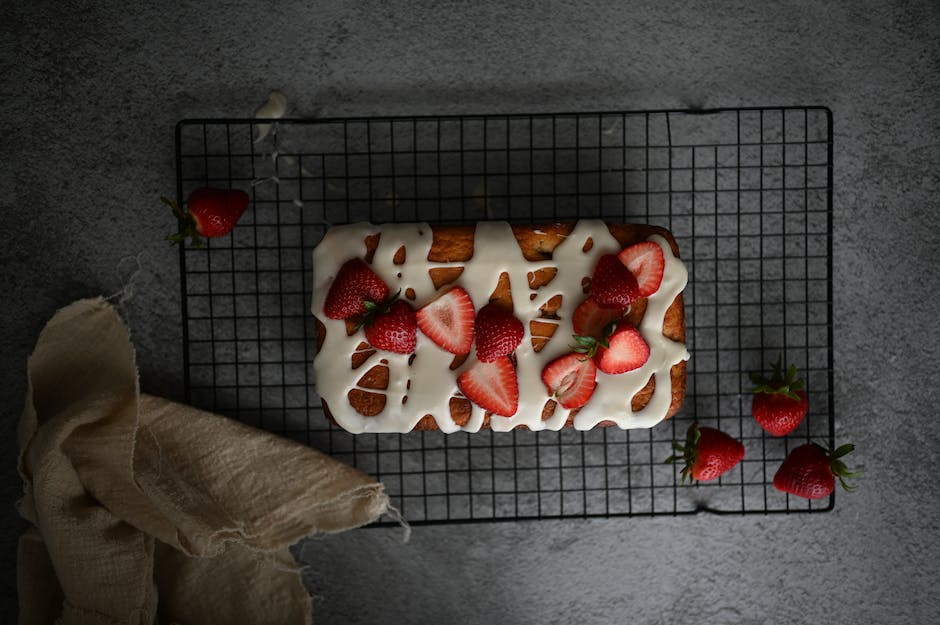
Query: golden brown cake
(539, 272)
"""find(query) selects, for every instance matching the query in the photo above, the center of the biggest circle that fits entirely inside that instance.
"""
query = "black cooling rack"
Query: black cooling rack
(747, 193)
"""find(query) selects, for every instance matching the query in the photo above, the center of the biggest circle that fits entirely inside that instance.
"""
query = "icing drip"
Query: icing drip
(433, 383)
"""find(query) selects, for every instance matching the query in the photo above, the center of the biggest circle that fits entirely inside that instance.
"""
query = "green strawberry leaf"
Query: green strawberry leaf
(839, 469)
(780, 383)
(687, 451)
(587, 341)
(587, 345)
(843, 450)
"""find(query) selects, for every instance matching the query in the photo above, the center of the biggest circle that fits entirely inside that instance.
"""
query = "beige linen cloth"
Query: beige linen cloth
(147, 511)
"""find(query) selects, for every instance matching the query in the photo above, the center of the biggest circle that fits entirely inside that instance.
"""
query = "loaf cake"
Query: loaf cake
(540, 275)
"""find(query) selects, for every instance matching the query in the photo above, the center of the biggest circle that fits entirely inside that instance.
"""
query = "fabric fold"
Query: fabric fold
(146, 510)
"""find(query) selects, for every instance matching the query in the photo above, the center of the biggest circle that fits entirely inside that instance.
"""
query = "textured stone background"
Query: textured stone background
(91, 91)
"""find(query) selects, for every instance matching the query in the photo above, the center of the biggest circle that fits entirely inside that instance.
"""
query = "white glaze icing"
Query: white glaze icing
(433, 383)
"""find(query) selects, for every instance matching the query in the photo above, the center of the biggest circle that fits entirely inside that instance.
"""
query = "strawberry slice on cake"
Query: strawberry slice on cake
(448, 320)
(647, 263)
(492, 386)
(570, 379)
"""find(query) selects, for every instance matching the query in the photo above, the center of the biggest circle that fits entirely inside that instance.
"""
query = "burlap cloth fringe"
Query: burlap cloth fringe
(148, 511)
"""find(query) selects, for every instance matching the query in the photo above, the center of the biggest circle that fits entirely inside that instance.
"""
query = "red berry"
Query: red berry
(627, 350)
(780, 403)
(448, 320)
(354, 285)
(708, 453)
(590, 319)
(613, 286)
(492, 386)
(570, 379)
(647, 263)
(498, 333)
(810, 471)
(394, 330)
(210, 213)
(779, 414)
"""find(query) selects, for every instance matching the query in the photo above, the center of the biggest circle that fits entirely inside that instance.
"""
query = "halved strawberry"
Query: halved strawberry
(498, 333)
(613, 285)
(647, 263)
(626, 350)
(354, 285)
(590, 319)
(448, 320)
(570, 379)
(492, 386)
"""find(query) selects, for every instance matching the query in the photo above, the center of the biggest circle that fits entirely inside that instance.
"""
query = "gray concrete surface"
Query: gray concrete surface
(91, 91)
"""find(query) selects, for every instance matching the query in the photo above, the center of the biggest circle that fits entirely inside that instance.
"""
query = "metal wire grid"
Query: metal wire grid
(746, 192)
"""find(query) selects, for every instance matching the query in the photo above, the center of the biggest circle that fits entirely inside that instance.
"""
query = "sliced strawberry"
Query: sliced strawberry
(570, 379)
(393, 330)
(354, 285)
(627, 350)
(498, 333)
(492, 386)
(448, 320)
(612, 285)
(647, 263)
(590, 319)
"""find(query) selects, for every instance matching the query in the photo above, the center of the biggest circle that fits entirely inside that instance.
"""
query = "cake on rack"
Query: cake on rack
(492, 325)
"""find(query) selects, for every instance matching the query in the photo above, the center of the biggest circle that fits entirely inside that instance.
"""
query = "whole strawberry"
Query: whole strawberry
(392, 327)
(613, 285)
(354, 286)
(779, 403)
(810, 471)
(498, 333)
(591, 319)
(708, 453)
(210, 213)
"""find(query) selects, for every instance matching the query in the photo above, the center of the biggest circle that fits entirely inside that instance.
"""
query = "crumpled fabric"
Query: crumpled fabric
(149, 511)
